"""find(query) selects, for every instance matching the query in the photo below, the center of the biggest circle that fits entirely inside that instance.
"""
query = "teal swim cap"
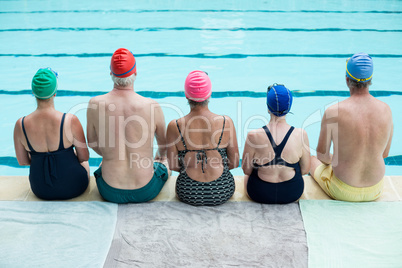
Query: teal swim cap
(44, 83)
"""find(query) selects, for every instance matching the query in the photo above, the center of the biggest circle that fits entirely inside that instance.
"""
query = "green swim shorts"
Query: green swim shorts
(143, 194)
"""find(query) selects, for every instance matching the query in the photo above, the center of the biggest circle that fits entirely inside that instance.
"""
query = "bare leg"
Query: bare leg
(314, 164)
(164, 162)
(324, 184)
(246, 177)
(85, 164)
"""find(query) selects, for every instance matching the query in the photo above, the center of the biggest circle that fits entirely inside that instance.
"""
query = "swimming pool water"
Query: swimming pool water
(244, 46)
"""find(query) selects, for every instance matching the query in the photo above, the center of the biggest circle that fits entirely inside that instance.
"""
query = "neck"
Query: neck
(123, 88)
(45, 104)
(359, 91)
(199, 109)
(277, 120)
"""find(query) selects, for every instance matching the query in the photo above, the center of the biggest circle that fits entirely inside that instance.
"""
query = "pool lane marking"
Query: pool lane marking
(157, 29)
(198, 55)
(218, 94)
(201, 11)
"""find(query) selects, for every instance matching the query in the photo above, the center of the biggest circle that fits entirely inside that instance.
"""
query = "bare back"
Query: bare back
(123, 126)
(43, 131)
(259, 150)
(43, 128)
(361, 130)
(203, 133)
(201, 130)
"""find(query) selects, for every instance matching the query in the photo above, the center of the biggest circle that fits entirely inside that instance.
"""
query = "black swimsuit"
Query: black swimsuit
(56, 175)
(198, 193)
(276, 193)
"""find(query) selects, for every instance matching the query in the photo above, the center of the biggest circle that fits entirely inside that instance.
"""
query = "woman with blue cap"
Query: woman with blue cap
(45, 140)
(277, 155)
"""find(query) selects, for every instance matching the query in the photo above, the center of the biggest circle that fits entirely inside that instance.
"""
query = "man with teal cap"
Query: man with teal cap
(360, 129)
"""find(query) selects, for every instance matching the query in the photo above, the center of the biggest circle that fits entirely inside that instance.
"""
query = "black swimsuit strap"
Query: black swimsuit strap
(223, 128)
(278, 148)
(61, 144)
(26, 137)
(181, 136)
(271, 139)
(201, 154)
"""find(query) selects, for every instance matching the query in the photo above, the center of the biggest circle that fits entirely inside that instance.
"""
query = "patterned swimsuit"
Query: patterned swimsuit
(198, 193)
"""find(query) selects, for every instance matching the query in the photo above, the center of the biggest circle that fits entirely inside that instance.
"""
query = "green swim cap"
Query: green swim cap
(44, 83)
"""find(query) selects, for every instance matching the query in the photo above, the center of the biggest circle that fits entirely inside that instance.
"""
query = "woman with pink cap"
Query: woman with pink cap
(202, 146)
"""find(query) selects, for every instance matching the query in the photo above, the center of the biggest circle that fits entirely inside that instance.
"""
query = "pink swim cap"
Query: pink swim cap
(197, 86)
(123, 63)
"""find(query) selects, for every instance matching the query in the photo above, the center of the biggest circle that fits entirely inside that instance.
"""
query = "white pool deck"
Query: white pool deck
(17, 188)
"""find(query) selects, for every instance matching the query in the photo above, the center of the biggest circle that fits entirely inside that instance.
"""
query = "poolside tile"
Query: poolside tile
(17, 188)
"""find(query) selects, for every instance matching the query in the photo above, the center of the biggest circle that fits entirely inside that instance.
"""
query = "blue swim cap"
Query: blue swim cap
(359, 67)
(279, 99)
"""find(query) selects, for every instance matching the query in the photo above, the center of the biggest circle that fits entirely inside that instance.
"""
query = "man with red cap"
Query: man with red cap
(121, 128)
(360, 129)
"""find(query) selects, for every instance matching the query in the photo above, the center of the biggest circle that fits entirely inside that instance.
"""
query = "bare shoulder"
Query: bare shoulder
(73, 119)
(256, 135)
(19, 122)
(146, 100)
(333, 111)
(172, 125)
(300, 134)
(154, 103)
(172, 130)
(331, 114)
(96, 99)
(18, 125)
(384, 106)
(228, 121)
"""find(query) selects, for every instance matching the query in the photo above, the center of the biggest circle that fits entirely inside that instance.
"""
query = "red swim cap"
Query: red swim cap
(123, 63)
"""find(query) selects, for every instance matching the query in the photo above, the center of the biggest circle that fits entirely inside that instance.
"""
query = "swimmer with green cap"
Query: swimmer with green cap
(44, 83)
(53, 144)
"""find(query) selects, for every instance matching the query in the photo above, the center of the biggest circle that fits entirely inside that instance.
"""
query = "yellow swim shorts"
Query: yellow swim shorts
(337, 189)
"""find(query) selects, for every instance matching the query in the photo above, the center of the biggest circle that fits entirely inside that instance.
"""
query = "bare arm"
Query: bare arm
(172, 152)
(248, 155)
(305, 158)
(79, 139)
(324, 141)
(21, 153)
(160, 132)
(386, 151)
(92, 117)
(233, 147)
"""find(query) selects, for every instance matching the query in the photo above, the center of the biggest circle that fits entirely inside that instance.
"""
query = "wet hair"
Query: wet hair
(358, 85)
(126, 81)
(194, 104)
